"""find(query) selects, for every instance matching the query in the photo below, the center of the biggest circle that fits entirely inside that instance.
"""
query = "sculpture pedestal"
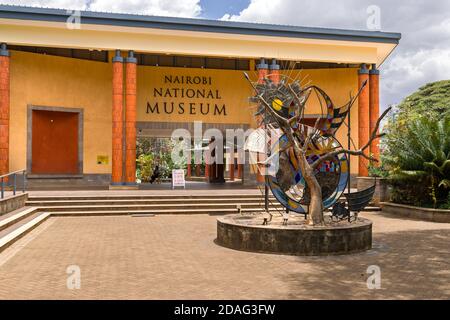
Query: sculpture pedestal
(246, 233)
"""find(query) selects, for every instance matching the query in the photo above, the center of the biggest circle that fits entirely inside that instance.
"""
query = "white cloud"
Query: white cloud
(423, 54)
(421, 57)
(407, 72)
(64, 4)
(174, 8)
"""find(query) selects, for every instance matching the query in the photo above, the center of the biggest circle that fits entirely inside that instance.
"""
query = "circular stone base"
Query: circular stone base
(247, 233)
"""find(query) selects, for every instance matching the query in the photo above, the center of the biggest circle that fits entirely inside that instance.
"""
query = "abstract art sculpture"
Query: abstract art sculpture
(312, 167)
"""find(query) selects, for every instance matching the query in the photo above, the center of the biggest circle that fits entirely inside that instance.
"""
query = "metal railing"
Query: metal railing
(14, 181)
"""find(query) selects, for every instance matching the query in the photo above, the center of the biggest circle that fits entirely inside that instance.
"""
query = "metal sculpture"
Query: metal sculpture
(313, 167)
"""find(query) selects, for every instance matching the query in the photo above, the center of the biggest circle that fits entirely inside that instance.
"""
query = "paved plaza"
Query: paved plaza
(175, 257)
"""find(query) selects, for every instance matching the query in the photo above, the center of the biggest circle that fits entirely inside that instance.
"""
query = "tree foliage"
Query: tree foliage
(152, 152)
(416, 148)
(433, 99)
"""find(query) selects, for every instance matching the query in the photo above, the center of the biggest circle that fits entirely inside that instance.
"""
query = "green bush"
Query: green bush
(378, 171)
(152, 152)
(145, 166)
(417, 153)
(416, 149)
(446, 205)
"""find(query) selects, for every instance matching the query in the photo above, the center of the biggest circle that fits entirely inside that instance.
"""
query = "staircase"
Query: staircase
(15, 224)
(148, 204)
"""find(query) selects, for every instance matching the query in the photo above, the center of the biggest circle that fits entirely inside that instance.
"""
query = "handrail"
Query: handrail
(11, 173)
(14, 184)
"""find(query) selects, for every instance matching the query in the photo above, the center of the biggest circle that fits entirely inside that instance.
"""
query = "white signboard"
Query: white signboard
(257, 141)
(260, 140)
(178, 178)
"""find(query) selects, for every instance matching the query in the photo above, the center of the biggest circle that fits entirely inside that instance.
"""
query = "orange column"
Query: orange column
(274, 73)
(130, 119)
(207, 172)
(117, 120)
(231, 165)
(363, 119)
(207, 165)
(189, 169)
(263, 71)
(197, 170)
(374, 107)
(4, 108)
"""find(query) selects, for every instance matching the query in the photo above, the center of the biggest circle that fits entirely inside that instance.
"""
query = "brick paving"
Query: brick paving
(175, 257)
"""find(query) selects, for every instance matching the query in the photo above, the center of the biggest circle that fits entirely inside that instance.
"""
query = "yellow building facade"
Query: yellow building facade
(186, 70)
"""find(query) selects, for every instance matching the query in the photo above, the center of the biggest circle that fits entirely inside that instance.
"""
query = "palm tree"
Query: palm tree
(418, 152)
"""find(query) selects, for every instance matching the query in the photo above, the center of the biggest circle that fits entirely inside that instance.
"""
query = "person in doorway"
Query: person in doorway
(156, 176)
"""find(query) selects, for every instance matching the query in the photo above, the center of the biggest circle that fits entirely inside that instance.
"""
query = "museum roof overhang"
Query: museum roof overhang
(183, 36)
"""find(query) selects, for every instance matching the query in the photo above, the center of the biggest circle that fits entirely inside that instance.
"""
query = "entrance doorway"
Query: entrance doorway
(154, 143)
(155, 152)
(54, 148)
(154, 161)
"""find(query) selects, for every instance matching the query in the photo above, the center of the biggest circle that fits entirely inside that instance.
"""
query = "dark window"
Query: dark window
(147, 59)
(94, 55)
(81, 54)
(98, 55)
(183, 61)
(197, 62)
(243, 64)
(229, 64)
(214, 63)
(191, 62)
(166, 61)
(289, 65)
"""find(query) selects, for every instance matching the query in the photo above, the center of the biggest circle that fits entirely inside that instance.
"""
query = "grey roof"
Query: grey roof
(203, 25)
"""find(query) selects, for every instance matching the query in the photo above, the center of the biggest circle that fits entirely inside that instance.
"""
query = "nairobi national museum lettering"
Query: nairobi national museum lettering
(175, 97)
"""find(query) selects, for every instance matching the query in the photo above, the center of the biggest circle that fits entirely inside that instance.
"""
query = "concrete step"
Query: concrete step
(168, 206)
(16, 231)
(15, 216)
(113, 202)
(160, 212)
(146, 196)
(144, 204)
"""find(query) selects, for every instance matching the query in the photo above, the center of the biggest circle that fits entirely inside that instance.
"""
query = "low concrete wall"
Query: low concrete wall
(86, 181)
(382, 192)
(426, 214)
(13, 203)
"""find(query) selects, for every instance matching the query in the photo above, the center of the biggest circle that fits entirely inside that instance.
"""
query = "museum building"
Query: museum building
(79, 89)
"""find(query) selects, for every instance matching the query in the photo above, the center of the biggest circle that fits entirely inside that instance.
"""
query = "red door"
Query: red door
(54, 142)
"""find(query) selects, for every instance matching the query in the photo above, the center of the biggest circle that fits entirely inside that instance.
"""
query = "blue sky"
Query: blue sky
(216, 9)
